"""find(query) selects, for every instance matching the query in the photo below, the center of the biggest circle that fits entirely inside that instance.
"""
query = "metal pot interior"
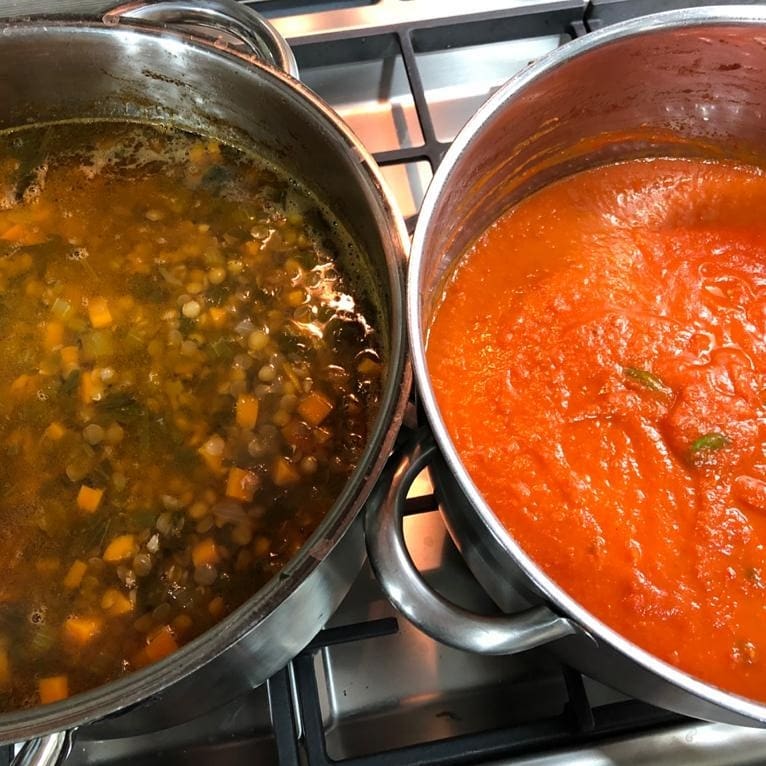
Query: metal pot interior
(686, 83)
(74, 70)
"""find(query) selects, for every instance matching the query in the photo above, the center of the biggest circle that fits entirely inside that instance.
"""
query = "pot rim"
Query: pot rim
(712, 16)
(143, 684)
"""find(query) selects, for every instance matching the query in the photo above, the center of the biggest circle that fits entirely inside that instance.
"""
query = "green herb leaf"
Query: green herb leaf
(121, 405)
(69, 386)
(646, 379)
(223, 348)
(710, 441)
(147, 287)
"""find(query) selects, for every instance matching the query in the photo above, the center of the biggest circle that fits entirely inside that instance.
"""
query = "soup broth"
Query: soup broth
(188, 371)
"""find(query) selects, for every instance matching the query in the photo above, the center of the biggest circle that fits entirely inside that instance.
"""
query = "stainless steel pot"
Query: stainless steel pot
(686, 83)
(127, 66)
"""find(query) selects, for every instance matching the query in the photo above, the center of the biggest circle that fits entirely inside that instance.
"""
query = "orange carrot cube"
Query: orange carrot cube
(5, 667)
(241, 485)
(81, 630)
(315, 408)
(283, 472)
(53, 689)
(161, 644)
(212, 453)
(98, 312)
(73, 577)
(89, 498)
(247, 411)
(205, 552)
(121, 548)
(53, 335)
(115, 603)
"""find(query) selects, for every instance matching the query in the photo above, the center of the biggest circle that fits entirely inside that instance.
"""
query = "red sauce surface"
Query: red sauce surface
(599, 358)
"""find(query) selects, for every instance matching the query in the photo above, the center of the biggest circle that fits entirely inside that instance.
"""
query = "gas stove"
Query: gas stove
(371, 690)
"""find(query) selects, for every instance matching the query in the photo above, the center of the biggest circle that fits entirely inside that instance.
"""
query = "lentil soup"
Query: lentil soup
(188, 369)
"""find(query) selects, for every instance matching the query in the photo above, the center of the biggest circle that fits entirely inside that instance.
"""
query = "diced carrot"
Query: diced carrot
(53, 689)
(205, 552)
(120, 548)
(115, 603)
(70, 359)
(24, 235)
(81, 630)
(261, 546)
(215, 607)
(14, 233)
(212, 453)
(5, 667)
(89, 498)
(247, 411)
(369, 367)
(315, 408)
(98, 311)
(182, 624)
(283, 472)
(298, 434)
(54, 431)
(217, 316)
(74, 576)
(241, 485)
(161, 644)
(91, 386)
(53, 336)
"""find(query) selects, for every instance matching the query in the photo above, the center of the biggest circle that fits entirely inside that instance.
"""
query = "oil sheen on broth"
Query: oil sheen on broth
(186, 382)
(599, 358)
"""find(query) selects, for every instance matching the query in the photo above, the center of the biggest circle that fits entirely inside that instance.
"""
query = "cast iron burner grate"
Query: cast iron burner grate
(578, 722)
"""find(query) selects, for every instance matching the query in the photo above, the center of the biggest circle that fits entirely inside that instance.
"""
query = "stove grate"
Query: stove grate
(578, 723)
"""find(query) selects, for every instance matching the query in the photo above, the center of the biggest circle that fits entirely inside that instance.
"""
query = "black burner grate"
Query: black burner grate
(578, 722)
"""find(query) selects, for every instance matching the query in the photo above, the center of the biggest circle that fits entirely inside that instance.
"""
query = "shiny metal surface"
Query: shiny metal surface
(431, 612)
(707, 74)
(49, 750)
(384, 15)
(226, 16)
(172, 77)
(692, 744)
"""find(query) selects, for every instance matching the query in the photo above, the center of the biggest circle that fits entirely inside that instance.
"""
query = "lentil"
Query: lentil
(156, 362)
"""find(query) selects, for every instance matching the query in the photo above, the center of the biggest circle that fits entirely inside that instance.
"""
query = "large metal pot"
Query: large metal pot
(128, 66)
(686, 83)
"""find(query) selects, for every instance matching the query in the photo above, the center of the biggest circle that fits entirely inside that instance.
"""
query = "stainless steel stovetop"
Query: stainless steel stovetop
(372, 690)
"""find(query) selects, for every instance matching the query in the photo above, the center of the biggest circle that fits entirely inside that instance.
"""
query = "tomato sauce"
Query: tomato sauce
(599, 358)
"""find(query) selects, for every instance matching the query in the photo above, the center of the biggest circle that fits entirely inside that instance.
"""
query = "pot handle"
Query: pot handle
(411, 595)
(228, 16)
(50, 750)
